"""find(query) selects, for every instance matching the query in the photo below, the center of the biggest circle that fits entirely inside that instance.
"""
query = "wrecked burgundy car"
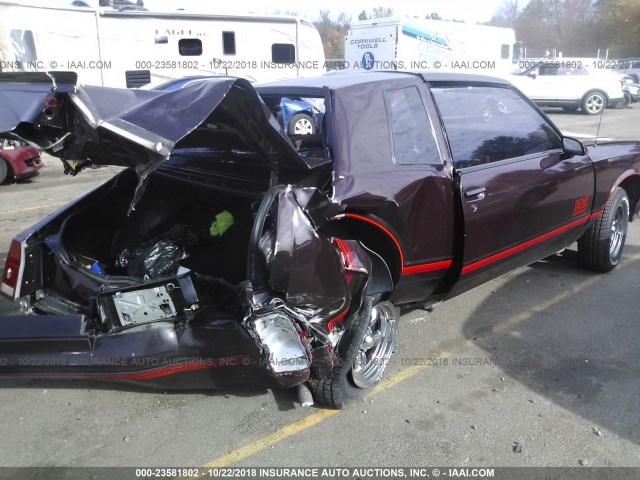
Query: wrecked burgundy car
(230, 254)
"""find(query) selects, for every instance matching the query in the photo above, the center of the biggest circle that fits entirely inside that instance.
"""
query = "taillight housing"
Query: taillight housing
(11, 276)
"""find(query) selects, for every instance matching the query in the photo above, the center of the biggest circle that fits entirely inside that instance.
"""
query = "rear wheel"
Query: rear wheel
(364, 352)
(593, 103)
(601, 247)
(4, 170)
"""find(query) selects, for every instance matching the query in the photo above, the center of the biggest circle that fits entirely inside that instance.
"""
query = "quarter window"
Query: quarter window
(489, 124)
(411, 129)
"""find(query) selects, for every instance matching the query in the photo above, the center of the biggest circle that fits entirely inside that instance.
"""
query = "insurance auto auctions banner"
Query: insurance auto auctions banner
(288, 473)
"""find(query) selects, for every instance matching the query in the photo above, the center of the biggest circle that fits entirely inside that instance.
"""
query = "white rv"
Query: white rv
(122, 45)
(422, 44)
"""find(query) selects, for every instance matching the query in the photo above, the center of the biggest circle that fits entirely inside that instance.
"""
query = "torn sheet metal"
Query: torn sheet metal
(304, 265)
(139, 129)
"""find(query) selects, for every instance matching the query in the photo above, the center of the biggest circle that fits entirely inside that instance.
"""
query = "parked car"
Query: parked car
(297, 116)
(225, 256)
(627, 66)
(570, 84)
(17, 160)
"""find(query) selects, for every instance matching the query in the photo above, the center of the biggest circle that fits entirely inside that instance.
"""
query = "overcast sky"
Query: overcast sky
(468, 10)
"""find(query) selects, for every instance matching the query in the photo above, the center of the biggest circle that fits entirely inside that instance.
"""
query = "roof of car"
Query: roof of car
(338, 80)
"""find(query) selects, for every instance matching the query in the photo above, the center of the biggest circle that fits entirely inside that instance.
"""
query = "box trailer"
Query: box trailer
(421, 44)
(129, 47)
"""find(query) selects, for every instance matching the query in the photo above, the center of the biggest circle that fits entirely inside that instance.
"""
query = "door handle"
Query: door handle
(475, 192)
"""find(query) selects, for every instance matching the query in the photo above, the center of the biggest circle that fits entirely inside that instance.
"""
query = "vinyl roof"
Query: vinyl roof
(338, 80)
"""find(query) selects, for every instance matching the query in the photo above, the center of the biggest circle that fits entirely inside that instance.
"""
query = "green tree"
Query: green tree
(617, 27)
(577, 28)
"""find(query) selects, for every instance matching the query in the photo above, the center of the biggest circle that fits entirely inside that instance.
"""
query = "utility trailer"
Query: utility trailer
(422, 44)
(130, 47)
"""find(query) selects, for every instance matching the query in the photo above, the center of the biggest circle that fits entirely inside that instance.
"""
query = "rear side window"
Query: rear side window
(190, 47)
(283, 53)
(504, 51)
(229, 43)
(548, 70)
(488, 124)
(412, 134)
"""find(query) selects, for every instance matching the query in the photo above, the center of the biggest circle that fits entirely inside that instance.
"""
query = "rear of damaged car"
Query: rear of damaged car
(202, 264)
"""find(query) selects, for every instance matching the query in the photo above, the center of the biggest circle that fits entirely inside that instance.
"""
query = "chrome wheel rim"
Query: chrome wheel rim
(595, 103)
(617, 234)
(303, 127)
(376, 347)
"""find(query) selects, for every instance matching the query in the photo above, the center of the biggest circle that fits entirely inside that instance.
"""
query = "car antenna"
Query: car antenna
(595, 144)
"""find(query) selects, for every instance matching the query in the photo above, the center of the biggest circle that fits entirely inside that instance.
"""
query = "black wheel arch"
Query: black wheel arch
(10, 173)
(631, 185)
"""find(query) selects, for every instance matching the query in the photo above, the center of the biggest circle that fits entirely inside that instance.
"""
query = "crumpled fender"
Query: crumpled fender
(303, 265)
(315, 272)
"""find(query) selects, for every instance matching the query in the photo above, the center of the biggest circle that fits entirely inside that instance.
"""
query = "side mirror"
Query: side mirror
(572, 146)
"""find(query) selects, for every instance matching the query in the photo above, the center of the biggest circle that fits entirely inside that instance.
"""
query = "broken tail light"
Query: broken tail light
(11, 276)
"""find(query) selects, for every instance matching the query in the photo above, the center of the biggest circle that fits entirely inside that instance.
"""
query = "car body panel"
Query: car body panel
(77, 122)
(24, 161)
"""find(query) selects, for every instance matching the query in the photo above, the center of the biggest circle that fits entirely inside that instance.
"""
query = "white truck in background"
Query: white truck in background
(125, 45)
(424, 44)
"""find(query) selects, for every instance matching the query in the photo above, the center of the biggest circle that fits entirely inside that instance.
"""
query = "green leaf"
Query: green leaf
(223, 222)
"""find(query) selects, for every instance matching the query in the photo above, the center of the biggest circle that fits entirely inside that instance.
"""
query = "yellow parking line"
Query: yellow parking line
(41, 207)
(275, 437)
(315, 418)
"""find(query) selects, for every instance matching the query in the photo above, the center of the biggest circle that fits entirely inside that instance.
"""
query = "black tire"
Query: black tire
(593, 102)
(626, 101)
(4, 170)
(302, 124)
(337, 388)
(600, 248)
(570, 109)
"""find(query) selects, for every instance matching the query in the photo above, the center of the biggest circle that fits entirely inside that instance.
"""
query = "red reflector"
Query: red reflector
(11, 272)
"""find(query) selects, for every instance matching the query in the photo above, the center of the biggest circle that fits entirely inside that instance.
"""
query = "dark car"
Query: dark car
(18, 161)
(631, 91)
(231, 254)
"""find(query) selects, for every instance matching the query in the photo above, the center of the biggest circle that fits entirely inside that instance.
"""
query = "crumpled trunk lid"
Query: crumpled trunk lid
(140, 129)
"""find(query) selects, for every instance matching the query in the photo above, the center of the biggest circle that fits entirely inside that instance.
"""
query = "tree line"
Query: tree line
(577, 28)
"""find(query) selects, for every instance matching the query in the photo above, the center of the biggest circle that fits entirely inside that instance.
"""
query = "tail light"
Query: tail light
(11, 277)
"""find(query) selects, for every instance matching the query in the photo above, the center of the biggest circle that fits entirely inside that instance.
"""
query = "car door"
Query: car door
(520, 195)
(547, 83)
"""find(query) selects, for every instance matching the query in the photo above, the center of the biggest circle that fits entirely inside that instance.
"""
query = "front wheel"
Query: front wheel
(364, 352)
(593, 103)
(601, 247)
